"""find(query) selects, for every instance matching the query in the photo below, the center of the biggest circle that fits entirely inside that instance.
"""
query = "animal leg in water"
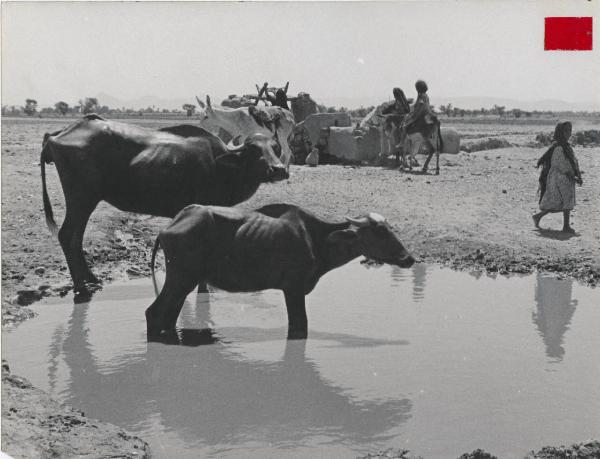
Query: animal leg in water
(164, 311)
(296, 309)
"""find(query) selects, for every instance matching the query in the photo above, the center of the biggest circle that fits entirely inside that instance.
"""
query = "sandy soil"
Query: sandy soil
(476, 215)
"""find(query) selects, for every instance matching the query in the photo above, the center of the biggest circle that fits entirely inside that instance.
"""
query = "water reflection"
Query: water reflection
(419, 279)
(554, 312)
(212, 395)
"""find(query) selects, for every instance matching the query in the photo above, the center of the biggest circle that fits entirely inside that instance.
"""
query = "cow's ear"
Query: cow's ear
(342, 237)
(230, 161)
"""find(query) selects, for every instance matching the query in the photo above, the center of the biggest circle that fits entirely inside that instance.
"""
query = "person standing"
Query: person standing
(280, 98)
(560, 172)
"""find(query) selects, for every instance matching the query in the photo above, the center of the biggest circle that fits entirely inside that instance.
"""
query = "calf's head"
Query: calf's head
(256, 159)
(374, 237)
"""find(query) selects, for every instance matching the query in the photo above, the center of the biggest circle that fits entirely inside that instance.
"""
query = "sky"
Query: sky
(55, 51)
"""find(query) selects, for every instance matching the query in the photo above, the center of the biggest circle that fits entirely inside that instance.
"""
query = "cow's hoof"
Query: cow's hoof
(153, 332)
(163, 336)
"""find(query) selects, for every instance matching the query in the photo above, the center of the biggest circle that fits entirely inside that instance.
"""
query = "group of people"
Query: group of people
(398, 114)
(560, 168)
(404, 120)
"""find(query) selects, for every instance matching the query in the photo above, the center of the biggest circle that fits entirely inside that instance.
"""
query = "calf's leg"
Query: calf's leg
(164, 311)
(296, 310)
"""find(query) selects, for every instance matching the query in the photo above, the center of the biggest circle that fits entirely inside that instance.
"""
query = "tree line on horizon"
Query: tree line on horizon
(83, 107)
(92, 105)
(450, 111)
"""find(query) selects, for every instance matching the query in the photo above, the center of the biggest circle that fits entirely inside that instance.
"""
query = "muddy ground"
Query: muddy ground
(476, 216)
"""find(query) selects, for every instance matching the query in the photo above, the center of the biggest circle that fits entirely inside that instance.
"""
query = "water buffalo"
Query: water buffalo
(155, 172)
(279, 246)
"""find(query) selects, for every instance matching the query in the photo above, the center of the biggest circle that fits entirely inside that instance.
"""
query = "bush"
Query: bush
(589, 137)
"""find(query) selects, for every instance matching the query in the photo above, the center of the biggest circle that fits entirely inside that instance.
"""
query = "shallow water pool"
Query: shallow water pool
(427, 359)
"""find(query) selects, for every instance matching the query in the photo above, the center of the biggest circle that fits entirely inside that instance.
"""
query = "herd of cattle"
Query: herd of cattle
(189, 173)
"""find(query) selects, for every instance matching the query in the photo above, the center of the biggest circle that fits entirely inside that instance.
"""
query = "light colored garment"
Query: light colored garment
(560, 184)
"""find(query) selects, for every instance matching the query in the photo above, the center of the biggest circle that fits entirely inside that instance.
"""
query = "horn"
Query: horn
(232, 147)
(376, 218)
(359, 221)
(234, 141)
(208, 101)
(200, 103)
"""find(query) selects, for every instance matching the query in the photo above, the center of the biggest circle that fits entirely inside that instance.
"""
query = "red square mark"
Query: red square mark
(568, 33)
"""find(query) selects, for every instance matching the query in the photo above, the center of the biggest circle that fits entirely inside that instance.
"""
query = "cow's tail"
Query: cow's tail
(46, 158)
(152, 262)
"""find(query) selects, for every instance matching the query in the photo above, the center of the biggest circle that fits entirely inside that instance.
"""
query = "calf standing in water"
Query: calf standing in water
(279, 246)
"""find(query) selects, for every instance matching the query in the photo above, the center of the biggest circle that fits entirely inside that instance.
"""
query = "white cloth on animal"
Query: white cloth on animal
(560, 187)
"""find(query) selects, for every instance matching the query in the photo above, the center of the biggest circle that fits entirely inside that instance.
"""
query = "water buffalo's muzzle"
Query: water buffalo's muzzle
(406, 262)
(277, 173)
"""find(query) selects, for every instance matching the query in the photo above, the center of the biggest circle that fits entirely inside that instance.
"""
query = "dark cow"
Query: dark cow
(156, 172)
(279, 246)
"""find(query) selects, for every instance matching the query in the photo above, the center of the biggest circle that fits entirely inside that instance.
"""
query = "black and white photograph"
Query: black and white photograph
(300, 229)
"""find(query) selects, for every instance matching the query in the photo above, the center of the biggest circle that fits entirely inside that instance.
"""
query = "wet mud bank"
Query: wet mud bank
(583, 450)
(34, 425)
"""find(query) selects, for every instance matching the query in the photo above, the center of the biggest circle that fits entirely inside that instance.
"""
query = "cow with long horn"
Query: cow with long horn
(271, 121)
